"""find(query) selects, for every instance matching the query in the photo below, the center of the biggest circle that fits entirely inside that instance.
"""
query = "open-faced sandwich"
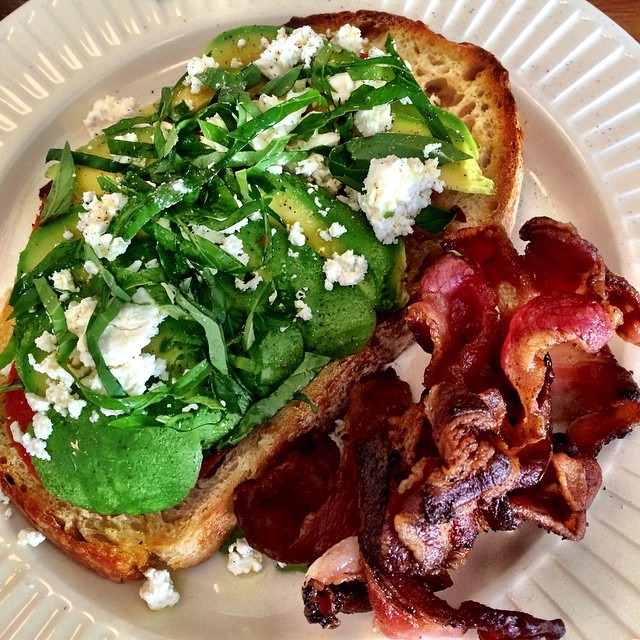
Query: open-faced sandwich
(210, 276)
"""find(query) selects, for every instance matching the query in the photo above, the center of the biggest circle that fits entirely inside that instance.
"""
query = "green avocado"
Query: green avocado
(111, 470)
(465, 176)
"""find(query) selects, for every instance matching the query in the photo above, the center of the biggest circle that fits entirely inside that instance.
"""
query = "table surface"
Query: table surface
(625, 12)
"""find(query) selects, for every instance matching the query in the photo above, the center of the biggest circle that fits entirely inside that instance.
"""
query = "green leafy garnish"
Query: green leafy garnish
(60, 198)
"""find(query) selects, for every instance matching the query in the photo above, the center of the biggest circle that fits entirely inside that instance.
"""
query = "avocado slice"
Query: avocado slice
(465, 176)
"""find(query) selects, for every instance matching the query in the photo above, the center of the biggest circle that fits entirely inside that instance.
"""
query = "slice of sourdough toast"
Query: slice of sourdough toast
(461, 77)
(469, 82)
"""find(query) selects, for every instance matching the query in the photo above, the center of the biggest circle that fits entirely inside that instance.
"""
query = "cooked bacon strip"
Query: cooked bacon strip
(490, 249)
(335, 583)
(559, 260)
(439, 517)
(542, 323)
(276, 511)
(594, 396)
(306, 501)
(623, 296)
(406, 606)
(456, 314)
(559, 502)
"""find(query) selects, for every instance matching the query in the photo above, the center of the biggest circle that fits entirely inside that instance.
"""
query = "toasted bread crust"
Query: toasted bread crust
(469, 82)
(123, 547)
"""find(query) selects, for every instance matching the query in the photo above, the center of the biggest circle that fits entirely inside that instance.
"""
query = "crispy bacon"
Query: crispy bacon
(307, 500)
(335, 583)
(522, 392)
(456, 314)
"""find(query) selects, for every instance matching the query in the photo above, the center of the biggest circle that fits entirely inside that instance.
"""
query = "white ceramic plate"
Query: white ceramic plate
(576, 76)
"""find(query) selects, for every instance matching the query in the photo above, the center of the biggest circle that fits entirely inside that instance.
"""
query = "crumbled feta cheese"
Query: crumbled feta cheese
(42, 426)
(30, 537)
(243, 558)
(304, 310)
(35, 447)
(293, 254)
(241, 43)
(196, 66)
(350, 38)
(8, 512)
(288, 50)
(395, 191)
(250, 285)
(315, 167)
(296, 235)
(334, 231)
(217, 237)
(91, 268)
(190, 407)
(375, 120)
(346, 269)
(135, 266)
(279, 129)
(343, 86)
(93, 223)
(67, 234)
(327, 139)
(107, 111)
(46, 342)
(158, 590)
(236, 64)
(376, 52)
(180, 186)
(63, 280)
(234, 247)
(431, 148)
(121, 343)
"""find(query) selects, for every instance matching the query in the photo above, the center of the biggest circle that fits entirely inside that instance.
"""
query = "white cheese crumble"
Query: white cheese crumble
(35, 447)
(46, 342)
(296, 235)
(304, 310)
(350, 38)
(395, 191)
(288, 50)
(30, 537)
(158, 590)
(376, 120)
(327, 139)
(94, 222)
(346, 269)
(63, 281)
(315, 167)
(249, 285)
(121, 344)
(91, 268)
(127, 137)
(107, 111)
(231, 244)
(243, 558)
(196, 66)
(334, 231)
(282, 127)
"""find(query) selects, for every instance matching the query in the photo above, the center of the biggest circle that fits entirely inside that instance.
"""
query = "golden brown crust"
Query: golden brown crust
(466, 80)
(122, 547)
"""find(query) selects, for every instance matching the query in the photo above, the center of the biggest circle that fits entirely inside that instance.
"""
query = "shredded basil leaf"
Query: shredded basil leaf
(60, 197)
